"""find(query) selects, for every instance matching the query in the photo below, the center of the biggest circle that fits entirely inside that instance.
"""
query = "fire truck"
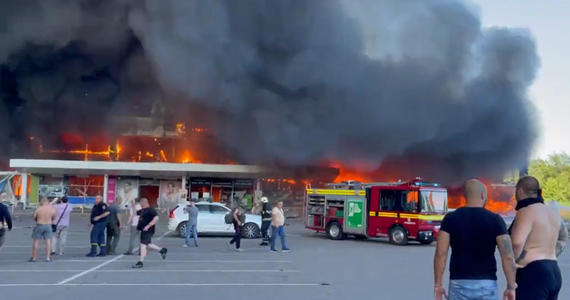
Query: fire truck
(400, 211)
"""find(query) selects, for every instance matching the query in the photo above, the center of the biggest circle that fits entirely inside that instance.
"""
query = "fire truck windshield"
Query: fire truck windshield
(433, 201)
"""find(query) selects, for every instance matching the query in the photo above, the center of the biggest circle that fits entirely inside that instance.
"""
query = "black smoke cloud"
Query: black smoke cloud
(353, 81)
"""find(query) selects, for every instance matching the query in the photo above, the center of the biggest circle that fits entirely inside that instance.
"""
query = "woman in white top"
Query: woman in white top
(277, 229)
(133, 221)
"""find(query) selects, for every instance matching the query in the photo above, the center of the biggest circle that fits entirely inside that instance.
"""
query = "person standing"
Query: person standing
(134, 233)
(192, 224)
(113, 226)
(238, 219)
(147, 225)
(44, 217)
(98, 222)
(277, 227)
(473, 233)
(5, 218)
(266, 217)
(61, 226)
(539, 237)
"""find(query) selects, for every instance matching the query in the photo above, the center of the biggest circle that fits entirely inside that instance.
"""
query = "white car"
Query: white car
(211, 220)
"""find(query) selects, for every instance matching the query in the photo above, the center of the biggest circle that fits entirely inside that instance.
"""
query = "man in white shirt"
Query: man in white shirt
(277, 229)
(132, 223)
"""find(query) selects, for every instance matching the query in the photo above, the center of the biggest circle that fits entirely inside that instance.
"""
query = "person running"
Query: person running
(192, 224)
(43, 216)
(5, 218)
(277, 227)
(473, 233)
(539, 237)
(113, 227)
(98, 221)
(134, 233)
(147, 226)
(238, 221)
(61, 226)
(266, 217)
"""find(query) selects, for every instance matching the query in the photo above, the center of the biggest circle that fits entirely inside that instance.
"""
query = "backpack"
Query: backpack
(229, 218)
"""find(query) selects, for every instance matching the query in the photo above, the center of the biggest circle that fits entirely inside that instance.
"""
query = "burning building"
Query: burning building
(283, 84)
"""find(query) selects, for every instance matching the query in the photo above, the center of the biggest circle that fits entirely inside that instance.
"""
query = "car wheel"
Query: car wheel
(250, 231)
(181, 230)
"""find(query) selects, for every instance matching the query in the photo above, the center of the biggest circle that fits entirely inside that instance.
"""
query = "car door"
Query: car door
(205, 218)
(219, 213)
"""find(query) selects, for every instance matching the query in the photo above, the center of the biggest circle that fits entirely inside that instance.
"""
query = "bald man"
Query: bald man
(539, 237)
(473, 233)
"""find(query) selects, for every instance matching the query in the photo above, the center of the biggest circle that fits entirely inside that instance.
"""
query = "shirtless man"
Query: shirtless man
(539, 237)
(44, 216)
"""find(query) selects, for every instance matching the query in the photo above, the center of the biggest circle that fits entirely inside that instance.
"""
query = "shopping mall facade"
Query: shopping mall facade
(159, 182)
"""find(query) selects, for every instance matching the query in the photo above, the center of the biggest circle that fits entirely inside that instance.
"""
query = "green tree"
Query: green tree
(554, 176)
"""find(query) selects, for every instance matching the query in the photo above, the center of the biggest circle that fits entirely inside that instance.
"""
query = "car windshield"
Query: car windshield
(433, 201)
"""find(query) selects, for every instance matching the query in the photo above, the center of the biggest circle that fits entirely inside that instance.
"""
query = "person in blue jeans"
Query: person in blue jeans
(277, 229)
(191, 225)
(473, 233)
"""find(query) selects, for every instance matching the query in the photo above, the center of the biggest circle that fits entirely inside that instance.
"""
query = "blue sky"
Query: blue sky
(549, 21)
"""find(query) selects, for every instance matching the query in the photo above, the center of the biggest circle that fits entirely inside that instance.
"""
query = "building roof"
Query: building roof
(152, 170)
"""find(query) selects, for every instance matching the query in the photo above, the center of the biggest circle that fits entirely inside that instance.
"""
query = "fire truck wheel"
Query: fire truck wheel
(334, 231)
(398, 236)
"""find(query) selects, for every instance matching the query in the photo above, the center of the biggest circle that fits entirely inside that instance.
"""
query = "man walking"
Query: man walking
(277, 227)
(266, 217)
(147, 224)
(539, 237)
(113, 226)
(192, 224)
(473, 233)
(98, 221)
(61, 226)
(43, 216)
(238, 219)
(134, 233)
(5, 218)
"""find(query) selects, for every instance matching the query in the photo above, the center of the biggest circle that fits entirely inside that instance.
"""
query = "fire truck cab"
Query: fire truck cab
(400, 211)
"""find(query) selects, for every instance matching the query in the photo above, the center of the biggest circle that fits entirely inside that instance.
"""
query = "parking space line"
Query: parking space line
(277, 284)
(193, 261)
(29, 246)
(151, 271)
(99, 266)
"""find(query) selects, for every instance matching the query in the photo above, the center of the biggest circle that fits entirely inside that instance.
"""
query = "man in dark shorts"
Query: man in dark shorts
(473, 233)
(4, 218)
(98, 221)
(147, 227)
(539, 236)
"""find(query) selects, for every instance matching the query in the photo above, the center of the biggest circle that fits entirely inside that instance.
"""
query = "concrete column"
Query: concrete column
(184, 187)
(24, 194)
(105, 188)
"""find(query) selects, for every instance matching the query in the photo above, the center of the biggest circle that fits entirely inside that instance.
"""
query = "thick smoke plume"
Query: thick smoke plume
(297, 82)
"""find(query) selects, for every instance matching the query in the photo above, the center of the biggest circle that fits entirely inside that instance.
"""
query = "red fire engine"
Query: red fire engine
(401, 211)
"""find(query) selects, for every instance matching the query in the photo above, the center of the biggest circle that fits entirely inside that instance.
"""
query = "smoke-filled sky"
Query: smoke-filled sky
(354, 81)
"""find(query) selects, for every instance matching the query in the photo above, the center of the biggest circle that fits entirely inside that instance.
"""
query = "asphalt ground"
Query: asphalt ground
(316, 268)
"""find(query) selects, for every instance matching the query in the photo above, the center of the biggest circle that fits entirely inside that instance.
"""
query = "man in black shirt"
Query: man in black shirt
(147, 222)
(473, 233)
(98, 221)
(4, 218)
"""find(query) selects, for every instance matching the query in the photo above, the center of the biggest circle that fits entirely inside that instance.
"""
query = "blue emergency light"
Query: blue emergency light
(425, 184)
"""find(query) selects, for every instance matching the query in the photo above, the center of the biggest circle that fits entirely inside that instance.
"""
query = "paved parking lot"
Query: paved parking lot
(316, 268)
